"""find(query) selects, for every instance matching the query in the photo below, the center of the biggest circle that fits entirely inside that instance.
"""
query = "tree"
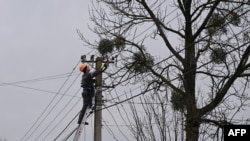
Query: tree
(206, 63)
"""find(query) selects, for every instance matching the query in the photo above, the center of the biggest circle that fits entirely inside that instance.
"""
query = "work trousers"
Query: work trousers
(87, 95)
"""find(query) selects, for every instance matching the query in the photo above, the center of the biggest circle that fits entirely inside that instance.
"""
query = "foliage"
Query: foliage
(233, 18)
(108, 46)
(105, 46)
(141, 62)
(218, 55)
(216, 25)
(178, 102)
(119, 42)
(246, 36)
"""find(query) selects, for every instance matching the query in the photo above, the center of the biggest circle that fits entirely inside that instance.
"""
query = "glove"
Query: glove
(103, 66)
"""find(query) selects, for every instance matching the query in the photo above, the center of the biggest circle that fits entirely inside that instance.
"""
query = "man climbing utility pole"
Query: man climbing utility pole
(88, 93)
(87, 84)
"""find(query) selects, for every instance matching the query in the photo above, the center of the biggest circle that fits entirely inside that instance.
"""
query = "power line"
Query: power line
(67, 126)
(70, 110)
(69, 75)
(117, 125)
(46, 108)
(37, 79)
(47, 91)
(61, 109)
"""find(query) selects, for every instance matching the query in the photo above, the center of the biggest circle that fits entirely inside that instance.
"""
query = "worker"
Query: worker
(87, 84)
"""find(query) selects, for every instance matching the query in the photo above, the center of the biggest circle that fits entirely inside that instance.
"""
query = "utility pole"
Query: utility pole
(98, 99)
(98, 103)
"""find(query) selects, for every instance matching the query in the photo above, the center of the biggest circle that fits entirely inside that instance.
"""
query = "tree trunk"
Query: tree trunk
(192, 128)
(192, 117)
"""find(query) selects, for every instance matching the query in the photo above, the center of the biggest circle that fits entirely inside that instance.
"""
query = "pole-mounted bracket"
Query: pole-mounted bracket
(105, 59)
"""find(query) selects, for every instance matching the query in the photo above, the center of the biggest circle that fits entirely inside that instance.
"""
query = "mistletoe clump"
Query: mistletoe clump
(141, 62)
(119, 42)
(105, 46)
(108, 46)
(178, 101)
(218, 55)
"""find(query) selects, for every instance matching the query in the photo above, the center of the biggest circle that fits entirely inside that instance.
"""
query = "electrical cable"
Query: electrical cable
(66, 126)
(71, 120)
(61, 109)
(61, 97)
(36, 79)
(46, 108)
(30, 88)
(70, 110)
(117, 125)
(110, 131)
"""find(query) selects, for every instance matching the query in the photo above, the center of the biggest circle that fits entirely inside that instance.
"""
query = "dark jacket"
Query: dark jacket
(87, 79)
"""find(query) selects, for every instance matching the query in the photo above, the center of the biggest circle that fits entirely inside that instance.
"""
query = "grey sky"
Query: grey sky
(37, 39)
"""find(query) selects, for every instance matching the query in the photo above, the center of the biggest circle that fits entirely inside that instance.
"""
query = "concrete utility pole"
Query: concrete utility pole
(98, 103)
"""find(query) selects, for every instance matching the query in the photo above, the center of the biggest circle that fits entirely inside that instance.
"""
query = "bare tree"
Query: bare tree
(206, 61)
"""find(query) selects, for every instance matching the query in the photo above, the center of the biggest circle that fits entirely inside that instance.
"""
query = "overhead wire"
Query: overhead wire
(46, 108)
(71, 120)
(66, 127)
(56, 93)
(15, 84)
(117, 125)
(118, 109)
(37, 79)
(61, 109)
(110, 131)
(70, 110)
(36, 89)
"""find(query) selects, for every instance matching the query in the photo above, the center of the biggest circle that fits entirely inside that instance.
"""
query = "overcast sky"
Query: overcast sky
(39, 55)
(38, 39)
